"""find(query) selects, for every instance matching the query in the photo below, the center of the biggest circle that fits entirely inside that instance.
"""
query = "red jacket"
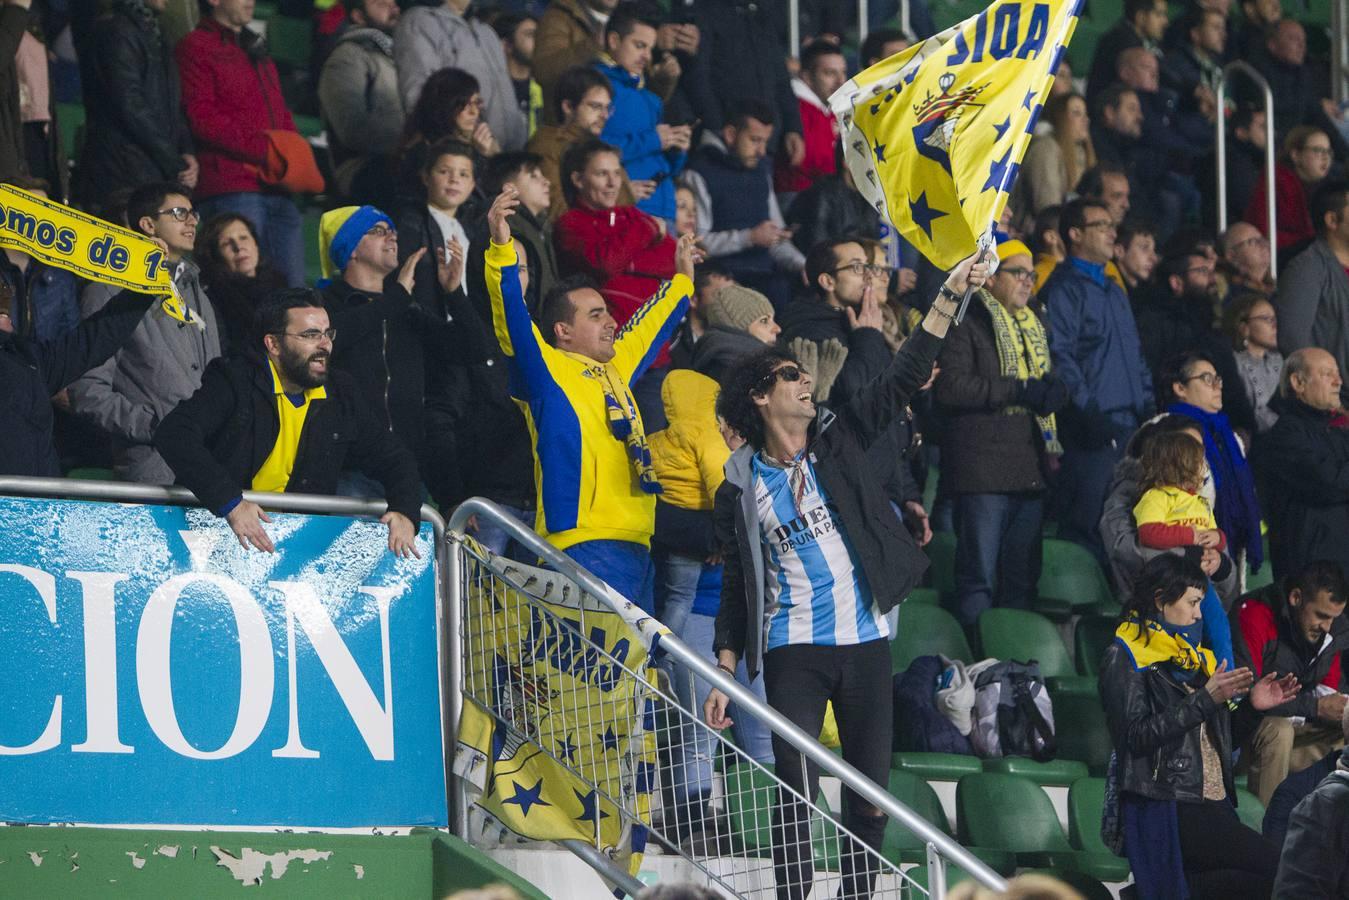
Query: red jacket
(820, 132)
(621, 248)
(1263, 641)
(231, 100)
(1290, 207)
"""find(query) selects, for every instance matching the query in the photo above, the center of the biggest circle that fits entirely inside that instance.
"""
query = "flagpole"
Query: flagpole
(964, 305)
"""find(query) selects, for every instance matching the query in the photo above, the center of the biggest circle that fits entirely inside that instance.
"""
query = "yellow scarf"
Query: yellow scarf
(1164, 647)
(1023, 351)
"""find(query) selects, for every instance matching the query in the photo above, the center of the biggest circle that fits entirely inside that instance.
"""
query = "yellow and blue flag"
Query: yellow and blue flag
(934, 136)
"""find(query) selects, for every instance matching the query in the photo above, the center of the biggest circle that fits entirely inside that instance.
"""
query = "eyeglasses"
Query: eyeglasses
(1267, 318)
(1018, 273)
(1202, 270)
(312, 335)
(596, 106)
(1318, 151)
(381, 231)
(1212, 379)
(180, 213)
(1103, 223)
(1246, 243)
(786, 373)
(857, 267)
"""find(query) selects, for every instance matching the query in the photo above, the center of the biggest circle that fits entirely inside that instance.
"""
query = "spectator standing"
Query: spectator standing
(430, 38)
(739, 321)
(42, 301)
(1245, 164)
(997, 397)
(1304, 163)
(738, 217)
(650, 149)
(1108, 183)
(532, 225)
(1135, 257)
(161, 364)
(1313, 296)
(235, 276)
(245, 428)
(449, 182)
(1246, 263)
(135, 132)
(232, 97)
(569, 35)
(830, 208)
(1295, 627)
(1193, 67)
(570, 376)
(1297, 87)
(1257, 16)
(359, 101)
(1302, 464)
(14, 16)
(583, 102)
(810, 610)
(823, 71)
(881, 44)
(449, 108)
(1095, 351)
(1316, 850)
(1056, 160)
(517, 33)
(1047, 243)
(1142, 25)
(1255, 333)
(34, 370)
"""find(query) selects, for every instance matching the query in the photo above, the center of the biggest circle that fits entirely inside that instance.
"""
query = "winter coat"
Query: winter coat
(984, 450)
(550, 142)
(13, 26)
(1094, 346)
(46, 300)
(218, 440)
(33, 370)
(1313, 304)
(135, 131)
(819, 131)
(1302, 468)
(358, 97)
(632, 129)
(1270, 643)
(568, 35)
(429, 38)
(1291, 210)
(720, 348)
(1156, 727)
(236, 299)
(1315, 858)
(232, 97)
(158, 367)
(889, 559)
(828, 208)
(689, 453)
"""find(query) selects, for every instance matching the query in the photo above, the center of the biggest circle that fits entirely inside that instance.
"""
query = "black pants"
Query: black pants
(799, 680)
(1223, 858)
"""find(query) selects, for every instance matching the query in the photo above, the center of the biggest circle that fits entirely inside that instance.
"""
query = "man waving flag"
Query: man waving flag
(934, 135)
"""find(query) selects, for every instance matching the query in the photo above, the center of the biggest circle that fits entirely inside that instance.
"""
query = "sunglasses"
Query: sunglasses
(786, 373)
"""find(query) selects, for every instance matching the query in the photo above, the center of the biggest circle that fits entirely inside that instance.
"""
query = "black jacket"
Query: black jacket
(890, 560)
(32, 371)
(827, 209)
(1156, 729)
(984, 450)
(1302, 471)
(719, 348)
(235, 299)
(136, 131)
(1315, 858)
(1284, 650)
(216, 440)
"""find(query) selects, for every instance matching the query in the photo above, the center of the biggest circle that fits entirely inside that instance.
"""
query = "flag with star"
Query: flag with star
(934, 135)
(557, 734)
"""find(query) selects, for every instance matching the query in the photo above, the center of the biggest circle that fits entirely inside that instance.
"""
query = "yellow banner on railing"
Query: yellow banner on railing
(66, 238)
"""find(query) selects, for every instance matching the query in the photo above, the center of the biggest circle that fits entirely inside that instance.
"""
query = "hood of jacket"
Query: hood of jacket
(618, 74)
(814, 320)
(689, 398)
(722, 347)
(370, 38)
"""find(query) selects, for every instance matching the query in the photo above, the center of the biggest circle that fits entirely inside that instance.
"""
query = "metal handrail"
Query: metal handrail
(1220, 129)
(447, 613)
(941, 844)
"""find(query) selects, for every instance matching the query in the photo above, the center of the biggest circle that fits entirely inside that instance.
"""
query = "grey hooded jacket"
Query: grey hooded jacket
(159, 366)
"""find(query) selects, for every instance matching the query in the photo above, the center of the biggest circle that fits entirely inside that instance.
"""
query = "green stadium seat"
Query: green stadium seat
(1091, 636)
(1070, 579)
(1081, 730)
(926, 596)
(70, 120)
(1056, 772)
(941, 550)
(1008, 812)
(309, 126)
(1082, 45)
(923, 630)
(935, 766)
(92, 473)
(1087, 885)
(751, 798)
(1257, 580)
(290, 40)
(1021, 635)
(1086, 800)
(1250, 810)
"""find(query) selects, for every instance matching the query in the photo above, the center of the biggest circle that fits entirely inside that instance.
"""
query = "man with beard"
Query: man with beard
(280, 421)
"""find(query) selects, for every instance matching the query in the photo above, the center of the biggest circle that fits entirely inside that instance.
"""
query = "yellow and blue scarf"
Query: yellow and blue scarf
(1155, 644)
(1023, 352)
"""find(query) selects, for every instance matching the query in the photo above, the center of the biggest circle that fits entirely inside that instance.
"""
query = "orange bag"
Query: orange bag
(291, 164)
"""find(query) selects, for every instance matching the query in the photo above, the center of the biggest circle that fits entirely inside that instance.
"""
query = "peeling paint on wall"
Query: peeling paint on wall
(360, 872)
(35, 858)
(250, 866)
(137, 861)
(169, 850)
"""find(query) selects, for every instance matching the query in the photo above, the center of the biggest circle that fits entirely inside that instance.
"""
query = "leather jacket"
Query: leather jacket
(1155, 726)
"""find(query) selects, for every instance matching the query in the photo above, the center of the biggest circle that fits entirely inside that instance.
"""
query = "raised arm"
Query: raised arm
(516, 332)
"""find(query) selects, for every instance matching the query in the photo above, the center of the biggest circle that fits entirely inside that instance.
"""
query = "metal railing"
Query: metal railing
(738, 838)
(1339, 50)
(1220, 132)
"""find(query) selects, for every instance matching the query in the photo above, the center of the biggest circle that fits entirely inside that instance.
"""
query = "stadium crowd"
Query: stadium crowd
(571, 263)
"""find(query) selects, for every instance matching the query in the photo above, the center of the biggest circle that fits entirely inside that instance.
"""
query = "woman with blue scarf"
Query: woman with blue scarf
(1170, 798)
(1191, 386)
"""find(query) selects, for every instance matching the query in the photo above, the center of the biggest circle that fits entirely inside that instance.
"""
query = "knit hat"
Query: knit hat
(734, 307)
(1012, 247)
(340, 230)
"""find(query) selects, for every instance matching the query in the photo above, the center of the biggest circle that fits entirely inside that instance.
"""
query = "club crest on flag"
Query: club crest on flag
(937, 119)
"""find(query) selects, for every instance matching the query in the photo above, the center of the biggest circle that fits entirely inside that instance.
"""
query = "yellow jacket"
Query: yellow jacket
(587, 489)
(689, 454)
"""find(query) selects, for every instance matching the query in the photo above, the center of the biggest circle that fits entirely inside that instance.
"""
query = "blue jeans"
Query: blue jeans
(1079, 496)
(691, 758)
(624, 566)
(997, 552)
(494, 537)
(277, 222)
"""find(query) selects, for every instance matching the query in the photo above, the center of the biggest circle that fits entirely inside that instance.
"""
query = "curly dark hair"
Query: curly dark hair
(745, 378)
(1164, 578)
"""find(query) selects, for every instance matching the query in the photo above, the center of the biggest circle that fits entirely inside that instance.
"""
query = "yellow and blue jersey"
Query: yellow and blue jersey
(587, 488)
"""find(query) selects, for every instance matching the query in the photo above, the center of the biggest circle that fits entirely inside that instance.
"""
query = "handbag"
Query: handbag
(290, 163)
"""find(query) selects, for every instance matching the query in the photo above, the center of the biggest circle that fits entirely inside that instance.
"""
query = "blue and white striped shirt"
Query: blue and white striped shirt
(816, 591)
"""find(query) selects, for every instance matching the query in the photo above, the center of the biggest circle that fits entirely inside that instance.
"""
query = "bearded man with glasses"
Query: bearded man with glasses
(162, 363)
(814, 559)
(274, 417)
